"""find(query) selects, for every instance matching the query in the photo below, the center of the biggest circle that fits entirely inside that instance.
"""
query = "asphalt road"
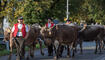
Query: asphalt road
(88, 54)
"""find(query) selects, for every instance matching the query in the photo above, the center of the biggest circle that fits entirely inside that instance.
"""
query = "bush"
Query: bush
(4, 52)
(2, 47)
(38, 46)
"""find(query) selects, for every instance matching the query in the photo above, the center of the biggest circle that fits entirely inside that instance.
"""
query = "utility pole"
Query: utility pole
(67, 13)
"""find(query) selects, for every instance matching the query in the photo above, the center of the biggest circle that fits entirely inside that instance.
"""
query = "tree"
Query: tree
(3, 4)
(37, 11)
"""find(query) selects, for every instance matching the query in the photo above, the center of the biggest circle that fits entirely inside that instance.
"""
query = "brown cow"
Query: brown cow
(8, 37)
(92, 33)
(47, 40)
(32, 36)
(63, 34)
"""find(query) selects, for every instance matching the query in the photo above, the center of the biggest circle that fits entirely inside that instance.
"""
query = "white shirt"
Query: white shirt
(20, 27)
(49, 25)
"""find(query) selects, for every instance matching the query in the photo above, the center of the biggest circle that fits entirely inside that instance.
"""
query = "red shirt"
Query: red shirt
(52, 24)
(23, 30)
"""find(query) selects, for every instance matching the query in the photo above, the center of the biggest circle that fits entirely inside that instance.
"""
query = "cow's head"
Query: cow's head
(7, 32)
(46, 32)
(36, 28)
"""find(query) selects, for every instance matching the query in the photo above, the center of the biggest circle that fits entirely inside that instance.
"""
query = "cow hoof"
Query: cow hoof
(73, 56)
(100, 53)
(15, 54)
(42, 54)
(81, 53)
(32, 55)
(95, 52)
(55, 58)
(17, 58)
(27, 58)
(60, 55)
(9, 58)
(68, 56)
(23, 57)
(50, 55)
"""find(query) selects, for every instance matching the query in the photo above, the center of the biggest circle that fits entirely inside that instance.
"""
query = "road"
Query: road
(88, 54)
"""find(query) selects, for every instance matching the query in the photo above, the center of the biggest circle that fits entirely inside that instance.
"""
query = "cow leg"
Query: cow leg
(56, 45)
(74, 47)
(55, 49)
(99, 43)
(27, 58)
(61, 50)
(102, 44)
(32, 49)
(58, 51)
(40, 43)
(50, 50)
(81, 47)
(68, 51)
(96, 46)
(11, 49)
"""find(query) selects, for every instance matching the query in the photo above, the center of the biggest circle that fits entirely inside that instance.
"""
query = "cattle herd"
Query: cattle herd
(57, 38)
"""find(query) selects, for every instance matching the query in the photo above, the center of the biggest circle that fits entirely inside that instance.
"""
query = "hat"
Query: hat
(50, 19)
(20, 18)
(67, 20)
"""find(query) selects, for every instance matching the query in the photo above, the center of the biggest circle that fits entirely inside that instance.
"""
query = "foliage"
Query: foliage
(37, 11)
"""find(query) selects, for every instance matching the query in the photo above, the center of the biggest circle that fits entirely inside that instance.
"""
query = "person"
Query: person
(56, 21)
(19, 31)
(49, 24)
(84, 26)
(67, 21)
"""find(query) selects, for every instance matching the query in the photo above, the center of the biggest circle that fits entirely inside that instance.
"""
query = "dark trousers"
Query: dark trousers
(19, 41)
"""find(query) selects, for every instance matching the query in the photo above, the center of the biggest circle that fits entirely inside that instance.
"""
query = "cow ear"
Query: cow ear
(56, 27)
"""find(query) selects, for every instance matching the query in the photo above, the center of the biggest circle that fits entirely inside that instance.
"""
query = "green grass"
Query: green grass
(5, 52)
(38, 46)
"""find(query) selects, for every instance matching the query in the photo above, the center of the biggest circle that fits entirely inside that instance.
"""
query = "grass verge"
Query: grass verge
(5, 52)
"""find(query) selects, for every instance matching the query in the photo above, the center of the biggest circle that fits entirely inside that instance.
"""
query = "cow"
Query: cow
(30, 40)
(63, 35)
(47, 40)
(91, 33)
(8, 37)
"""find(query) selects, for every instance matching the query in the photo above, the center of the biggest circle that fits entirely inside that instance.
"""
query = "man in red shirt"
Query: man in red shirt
(19, 31)
(49, 24)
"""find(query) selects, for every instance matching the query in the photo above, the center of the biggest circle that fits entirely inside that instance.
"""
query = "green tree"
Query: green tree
(37, 11)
